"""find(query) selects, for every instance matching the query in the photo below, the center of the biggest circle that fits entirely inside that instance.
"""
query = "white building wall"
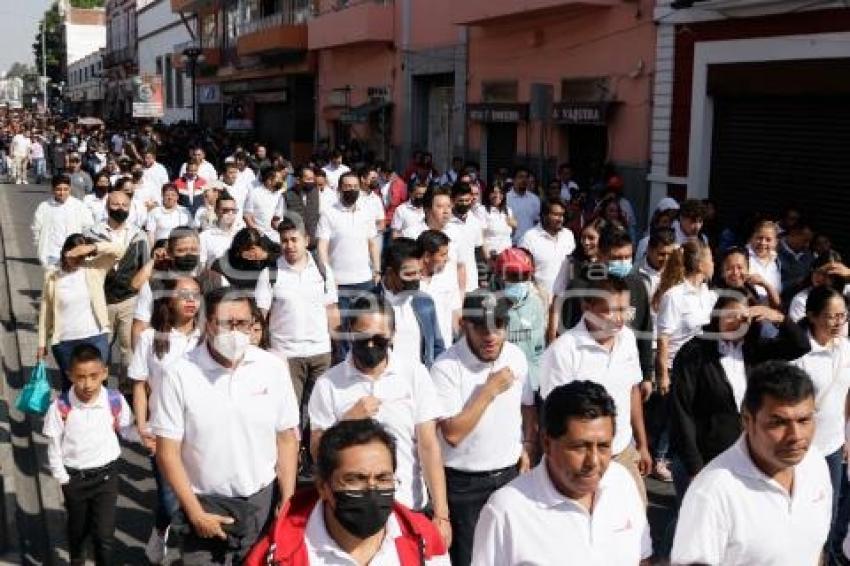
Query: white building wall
(84, 78)
(82, 40)
(159, 31)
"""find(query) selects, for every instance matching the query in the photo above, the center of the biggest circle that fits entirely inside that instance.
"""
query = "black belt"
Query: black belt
(90, 472)
(484, 474)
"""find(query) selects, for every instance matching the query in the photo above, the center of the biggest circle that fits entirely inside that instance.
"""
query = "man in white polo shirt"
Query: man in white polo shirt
(226, 427)
(482, 383)
(346, 243)
(551, 244)
(601, 348)
(410, 213)
(768, 498)
(301, 304)
(576, 506)
(373, 382)
(523, 203)
(264, 206)
(470, 232)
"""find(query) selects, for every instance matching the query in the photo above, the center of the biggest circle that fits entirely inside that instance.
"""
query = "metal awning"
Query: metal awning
(360, 114)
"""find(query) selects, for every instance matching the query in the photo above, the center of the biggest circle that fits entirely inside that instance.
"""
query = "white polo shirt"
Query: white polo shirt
(407, 341)
(829, 368)
(526, 209)
(530, 522)
(239, 192)
(298, 319)
(333, 173)
(322, 550)
(407, 399)
(327, 198)
(214, 244)
(227, 420)
(682, 312)
(496, 440)
(442, 287)
(348, 231)
(577, 356)
(551, 257)
(263, 204)
(147, 366)
(161, 221)
(374, 203)
(406, 215)
(497, 231)
(469, 234)
(769, 271)
(735, 515)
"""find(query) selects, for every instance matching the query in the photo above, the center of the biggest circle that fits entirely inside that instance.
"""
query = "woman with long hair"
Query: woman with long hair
(828, 364)
(497, 219)
(250, 252)
(173, 332)
(735, 274)
(73, 304)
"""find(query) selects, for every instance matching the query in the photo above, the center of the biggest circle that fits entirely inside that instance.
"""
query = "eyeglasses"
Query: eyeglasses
(243, 325)
(836, 317)
(187, 295)
(358, 482)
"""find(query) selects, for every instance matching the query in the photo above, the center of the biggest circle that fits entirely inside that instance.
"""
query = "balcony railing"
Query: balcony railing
(293, 12)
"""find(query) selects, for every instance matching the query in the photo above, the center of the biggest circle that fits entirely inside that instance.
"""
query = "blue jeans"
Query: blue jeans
(39, 168)
(62, 354)
(166, 499)
(838, 477)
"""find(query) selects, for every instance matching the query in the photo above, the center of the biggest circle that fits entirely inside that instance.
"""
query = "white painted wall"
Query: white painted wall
(159, 31)
(90, 88)
(82, 40)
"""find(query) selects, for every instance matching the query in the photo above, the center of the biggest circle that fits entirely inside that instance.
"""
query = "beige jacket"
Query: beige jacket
(96, 268)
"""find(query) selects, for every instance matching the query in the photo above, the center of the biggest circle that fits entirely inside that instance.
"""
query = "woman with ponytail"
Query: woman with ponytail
(828, 364)
(174, 331)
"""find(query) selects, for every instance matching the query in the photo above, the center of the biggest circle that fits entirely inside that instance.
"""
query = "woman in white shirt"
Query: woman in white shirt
(163, 219)
(173, 332)
(763, 257)
(96, 201)
(828, 364)
(73, 305)
(497, 219)
(825, 272)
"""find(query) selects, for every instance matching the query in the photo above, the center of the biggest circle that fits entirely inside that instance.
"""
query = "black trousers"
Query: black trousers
(467, 493)
(90, 500)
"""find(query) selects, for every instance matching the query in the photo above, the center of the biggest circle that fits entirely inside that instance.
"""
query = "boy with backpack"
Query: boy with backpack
(81, 426)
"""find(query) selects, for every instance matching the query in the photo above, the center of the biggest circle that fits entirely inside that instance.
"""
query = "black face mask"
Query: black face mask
(278, 186)
(119, 215)
(461, 209)
(374, 185)
(348, 198)
(186, 262)
(363, 513)
(409, 284)
(137, 175)
(417, 201)
(308, 186)
(370, 352)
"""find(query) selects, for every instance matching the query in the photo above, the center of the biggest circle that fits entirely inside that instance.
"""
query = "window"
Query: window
(209, 31)
(501, 91)
(169, 85)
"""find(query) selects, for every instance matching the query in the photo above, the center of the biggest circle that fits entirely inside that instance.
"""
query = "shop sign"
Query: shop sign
(496, 112)
(147, 96)
(209, 94)
(580, 113)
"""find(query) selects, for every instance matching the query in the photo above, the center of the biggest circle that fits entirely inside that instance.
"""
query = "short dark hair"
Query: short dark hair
(83, 353)
(432, 193)
(777, 379)
(662, 237)
(400, 250)
(224, 295)
(582, 400)
(522, 168)
(348, 174)
(547, 205)
(367, 303)
(179, 233)
(430, 241)
(600, 288)
(692, 208)
(60, 180)
(613, 236)
(291, 222)
(335, 153)
(224, 195)
(461, 188)
(364, 171)
(267, 173)
(319, 172)
(346, 434)
(483, 307)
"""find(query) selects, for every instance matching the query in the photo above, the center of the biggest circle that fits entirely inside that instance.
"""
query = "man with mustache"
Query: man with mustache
(768, 498)
(576, 506)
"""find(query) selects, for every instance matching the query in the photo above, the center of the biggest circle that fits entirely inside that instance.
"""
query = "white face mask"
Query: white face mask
(231, 345)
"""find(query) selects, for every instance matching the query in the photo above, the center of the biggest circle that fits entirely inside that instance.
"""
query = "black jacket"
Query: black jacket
(305, 204)
(704, 418)
(117, 287)
(639, 299)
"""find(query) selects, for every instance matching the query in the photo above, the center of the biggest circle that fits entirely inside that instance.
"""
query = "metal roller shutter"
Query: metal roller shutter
(769, 152)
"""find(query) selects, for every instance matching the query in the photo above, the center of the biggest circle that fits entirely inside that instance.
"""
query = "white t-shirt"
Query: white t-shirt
(334, 173)
(497, 232)
(577, 356)
(526, 209)
(829, 368)
(162, 221)
(148, 367)
(734, 515)
(298, 319)
(770, 272)
(97, 206)
(530, 522)
(75, 307)
(348, 231)
(407, 339)
(155, 176)
(407, 215)
(496, 441)
(443, 289)
(206, 171)
(407, 399)
(263, 204)
(227, 420)
(551, 257)
(682, 312)
(375, 205)
(239, 192)
(327, 198)
(214, 244)
(464, 238)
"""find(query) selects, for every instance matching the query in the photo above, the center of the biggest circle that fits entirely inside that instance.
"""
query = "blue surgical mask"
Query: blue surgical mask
(620, 268)
(516, 291)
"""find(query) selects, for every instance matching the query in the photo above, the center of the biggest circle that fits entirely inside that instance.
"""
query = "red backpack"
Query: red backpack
(63, 403)
(283, 544)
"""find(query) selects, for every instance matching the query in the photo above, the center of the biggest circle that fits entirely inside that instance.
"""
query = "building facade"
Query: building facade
(84, 86)
(120, 60)
(84, 32)
(750, 107)
(162, 38)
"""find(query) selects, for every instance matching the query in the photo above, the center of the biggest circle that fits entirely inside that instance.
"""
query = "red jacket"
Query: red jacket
(283, 544)
(397, 196)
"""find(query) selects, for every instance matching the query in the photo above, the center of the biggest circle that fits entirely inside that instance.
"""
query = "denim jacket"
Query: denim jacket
(432, 344)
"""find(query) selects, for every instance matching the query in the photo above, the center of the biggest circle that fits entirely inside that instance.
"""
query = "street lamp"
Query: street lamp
(190, 58)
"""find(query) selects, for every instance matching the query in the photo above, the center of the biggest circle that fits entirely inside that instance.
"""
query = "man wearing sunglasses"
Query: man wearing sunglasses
(226, 427)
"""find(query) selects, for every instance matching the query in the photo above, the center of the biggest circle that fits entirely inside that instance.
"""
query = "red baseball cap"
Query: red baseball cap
(515, 261)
